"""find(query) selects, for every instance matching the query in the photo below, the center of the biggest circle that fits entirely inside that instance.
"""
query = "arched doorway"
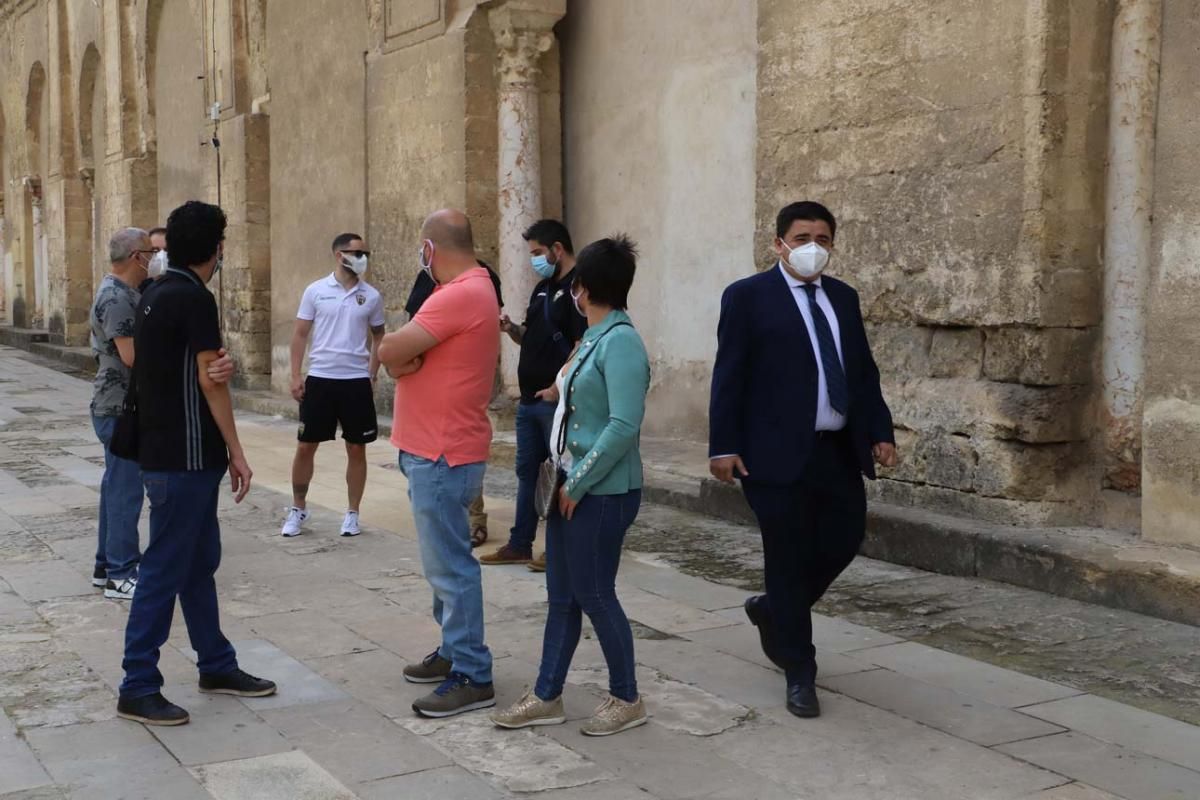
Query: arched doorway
(31, 289)
(92, 136)
(175, 37)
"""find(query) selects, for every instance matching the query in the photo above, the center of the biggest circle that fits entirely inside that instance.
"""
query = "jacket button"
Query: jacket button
(574, 444)
(572, 408)
(576, 426)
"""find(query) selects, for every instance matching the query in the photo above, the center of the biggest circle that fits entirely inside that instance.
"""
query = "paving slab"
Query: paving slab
(666, 615)
(1131, 728)
(661, 579)
(995, 685)
(354, 742)
(298, 684)
(741, 641)
(308, 634)
(940, 708)
(1123, 772)
(374, 678)
(221, 729)
(284, 776)
(862, 749)
(113, 759)
(45, 580)
(19, 767)
(443, 782)
(519, 761)
(1073, 791)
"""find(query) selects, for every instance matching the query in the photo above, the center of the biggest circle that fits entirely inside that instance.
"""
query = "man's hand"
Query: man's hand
(885, 454)
(506, 324)
(221, 370)
(727, 469)
(239, 476)
(297, 388)
(566, 506)
(548, 395)
(407, 369)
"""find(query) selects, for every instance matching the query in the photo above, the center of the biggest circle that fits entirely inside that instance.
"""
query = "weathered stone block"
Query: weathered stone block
(956, 353)
(993, 410)
(1023, 471)
(901, 350)
(949, 461)
(1170, 474)
(1040, 357)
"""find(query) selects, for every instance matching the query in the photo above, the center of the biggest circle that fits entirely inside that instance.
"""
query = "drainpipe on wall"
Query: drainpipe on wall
(1133, 101)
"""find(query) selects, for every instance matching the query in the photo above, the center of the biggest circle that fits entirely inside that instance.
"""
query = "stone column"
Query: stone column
(523, 30)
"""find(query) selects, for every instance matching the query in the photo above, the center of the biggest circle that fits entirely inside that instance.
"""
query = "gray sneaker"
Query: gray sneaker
(530, 710)
(434, 669)
(456, 695)
(615, 715)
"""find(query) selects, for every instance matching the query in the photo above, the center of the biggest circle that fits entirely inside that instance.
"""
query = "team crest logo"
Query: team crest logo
(301, 431)
(361, 298)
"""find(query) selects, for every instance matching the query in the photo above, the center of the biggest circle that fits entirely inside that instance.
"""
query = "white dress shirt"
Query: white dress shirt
(827, 418)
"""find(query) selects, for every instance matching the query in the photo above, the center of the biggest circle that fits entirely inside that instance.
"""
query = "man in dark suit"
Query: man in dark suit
(798, 416)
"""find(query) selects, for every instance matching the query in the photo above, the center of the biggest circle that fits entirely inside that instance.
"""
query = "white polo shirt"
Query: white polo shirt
(342, 320)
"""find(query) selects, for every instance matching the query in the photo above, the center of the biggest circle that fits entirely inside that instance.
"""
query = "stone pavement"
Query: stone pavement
(334, 621)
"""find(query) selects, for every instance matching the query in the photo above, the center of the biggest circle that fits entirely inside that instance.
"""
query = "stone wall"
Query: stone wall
(1171, 433)
(965, 163)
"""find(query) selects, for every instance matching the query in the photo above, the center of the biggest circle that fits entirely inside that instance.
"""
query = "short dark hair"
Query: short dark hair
(548, 231)
(156, 231)
(194, 232)
(343, 239)
(807, 210)
(605, 268)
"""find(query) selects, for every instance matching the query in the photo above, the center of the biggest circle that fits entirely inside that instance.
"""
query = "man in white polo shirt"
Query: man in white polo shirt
(345, 316)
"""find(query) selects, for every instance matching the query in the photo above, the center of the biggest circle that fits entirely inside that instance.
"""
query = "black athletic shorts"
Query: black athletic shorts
(329, 402)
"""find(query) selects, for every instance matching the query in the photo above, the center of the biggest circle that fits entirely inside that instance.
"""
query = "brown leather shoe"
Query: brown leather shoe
(507, 555)
(538, 564)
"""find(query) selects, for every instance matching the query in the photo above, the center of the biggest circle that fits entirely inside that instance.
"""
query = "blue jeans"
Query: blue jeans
(582, 556)
(180, 561)
(440, 495)
(534, 421)
(120, 506)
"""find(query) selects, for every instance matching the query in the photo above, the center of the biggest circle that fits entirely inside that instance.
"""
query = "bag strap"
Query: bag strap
(559, 337)
(129, 404)
(579, 362)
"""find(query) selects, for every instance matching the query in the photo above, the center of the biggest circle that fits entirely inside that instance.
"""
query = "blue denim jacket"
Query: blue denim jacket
(607, 401)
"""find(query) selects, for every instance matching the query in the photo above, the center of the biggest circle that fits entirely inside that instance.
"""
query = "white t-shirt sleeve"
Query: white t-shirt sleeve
(308, 309)
(377, 318)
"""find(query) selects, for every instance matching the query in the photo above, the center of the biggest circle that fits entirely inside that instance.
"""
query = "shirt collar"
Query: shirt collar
(793, 282)
(613, 318)
(187, 273)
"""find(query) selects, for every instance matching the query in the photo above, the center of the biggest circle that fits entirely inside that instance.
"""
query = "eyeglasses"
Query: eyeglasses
(356, 253)
(152, 251)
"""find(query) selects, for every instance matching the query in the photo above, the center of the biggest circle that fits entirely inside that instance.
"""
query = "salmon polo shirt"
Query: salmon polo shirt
(441, 409)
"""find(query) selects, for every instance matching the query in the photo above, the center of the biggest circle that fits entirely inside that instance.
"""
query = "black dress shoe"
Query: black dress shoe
(760, 616)
(802, 701)
(237, 683)
(153, 709)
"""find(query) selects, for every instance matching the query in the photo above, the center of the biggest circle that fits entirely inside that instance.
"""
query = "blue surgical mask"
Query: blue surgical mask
(543, 267)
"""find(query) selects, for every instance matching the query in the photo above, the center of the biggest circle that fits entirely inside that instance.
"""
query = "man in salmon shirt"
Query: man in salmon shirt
(444, 362)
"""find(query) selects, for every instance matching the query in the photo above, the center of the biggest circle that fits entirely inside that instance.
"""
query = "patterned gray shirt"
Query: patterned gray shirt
(111, 317)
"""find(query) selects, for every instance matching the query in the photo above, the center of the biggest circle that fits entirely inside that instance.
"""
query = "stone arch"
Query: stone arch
(176, 101)
(92, 152)
(30, 278)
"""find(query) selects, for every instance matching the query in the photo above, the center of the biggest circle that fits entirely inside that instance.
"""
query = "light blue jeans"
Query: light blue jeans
(120, 506)
(440, 496)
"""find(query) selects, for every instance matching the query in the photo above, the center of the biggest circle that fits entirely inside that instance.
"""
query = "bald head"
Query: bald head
(450, 232)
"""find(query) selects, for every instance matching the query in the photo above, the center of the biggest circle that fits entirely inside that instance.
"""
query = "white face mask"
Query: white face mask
(157, 265)
(356, 264)
(808, 260)
(427, 268)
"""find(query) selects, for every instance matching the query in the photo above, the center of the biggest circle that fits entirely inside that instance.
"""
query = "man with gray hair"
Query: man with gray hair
(111, 317)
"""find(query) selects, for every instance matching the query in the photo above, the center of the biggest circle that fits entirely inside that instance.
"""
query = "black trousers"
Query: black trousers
(811, 531)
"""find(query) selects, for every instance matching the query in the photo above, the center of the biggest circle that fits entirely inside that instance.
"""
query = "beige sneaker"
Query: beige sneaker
(615, 715)
(530, 710)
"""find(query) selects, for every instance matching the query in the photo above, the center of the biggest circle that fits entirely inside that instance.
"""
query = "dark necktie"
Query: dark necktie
(835, 378)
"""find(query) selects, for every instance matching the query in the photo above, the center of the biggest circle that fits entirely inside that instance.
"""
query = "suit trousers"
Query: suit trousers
(811, 531)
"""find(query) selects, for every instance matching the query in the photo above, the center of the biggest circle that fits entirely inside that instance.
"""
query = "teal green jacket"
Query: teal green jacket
(607, 401)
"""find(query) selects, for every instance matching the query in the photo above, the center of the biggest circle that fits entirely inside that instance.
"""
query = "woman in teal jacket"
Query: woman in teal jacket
(602, 399)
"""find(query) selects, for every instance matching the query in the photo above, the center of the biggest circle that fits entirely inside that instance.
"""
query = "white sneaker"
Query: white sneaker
(295, 519)
(120, 590)
(350, 524)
